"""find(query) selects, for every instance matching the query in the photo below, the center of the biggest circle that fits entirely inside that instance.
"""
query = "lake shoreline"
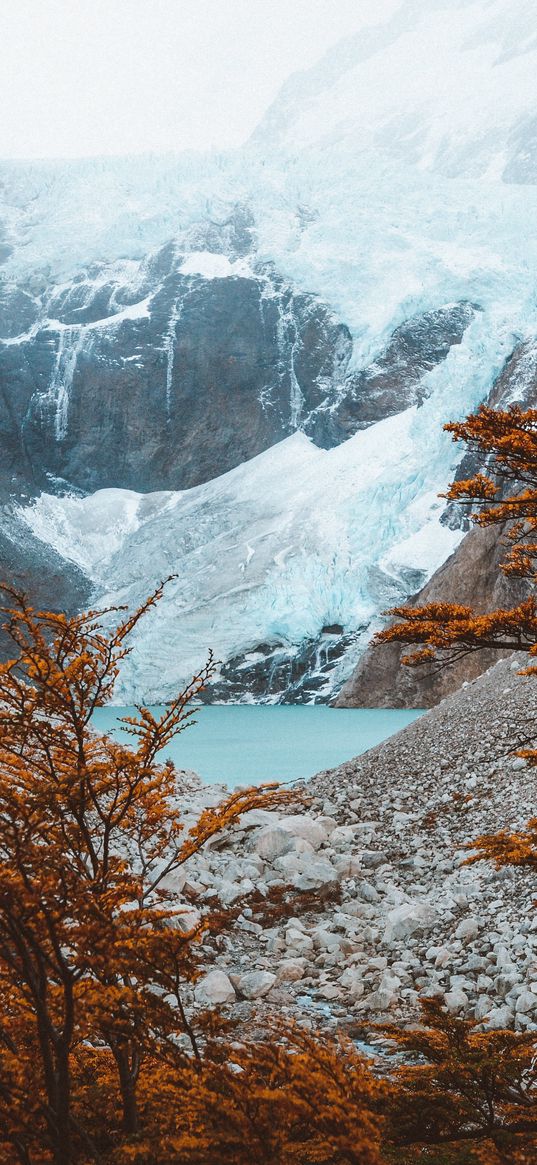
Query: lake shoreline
(244, 744)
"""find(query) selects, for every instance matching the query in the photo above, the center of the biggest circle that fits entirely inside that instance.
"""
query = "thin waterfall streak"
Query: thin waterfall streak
(59, 390)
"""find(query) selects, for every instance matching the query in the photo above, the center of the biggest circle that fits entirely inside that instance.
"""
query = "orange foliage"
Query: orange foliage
(459, 1085)
(508, 849)
(100, 1061)
(289, 1100)
(92, 951)
(456, 630)
(506, 493)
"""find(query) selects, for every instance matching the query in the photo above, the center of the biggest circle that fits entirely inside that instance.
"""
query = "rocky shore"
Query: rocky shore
(379, 907)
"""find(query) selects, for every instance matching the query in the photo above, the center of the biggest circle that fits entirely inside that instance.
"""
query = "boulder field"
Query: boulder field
(378, 906)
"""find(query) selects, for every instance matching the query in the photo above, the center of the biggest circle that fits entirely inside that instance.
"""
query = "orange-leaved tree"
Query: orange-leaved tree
(503, 493)
(94, 947)
(506, 442)
(287, 1097)
(458, 1085)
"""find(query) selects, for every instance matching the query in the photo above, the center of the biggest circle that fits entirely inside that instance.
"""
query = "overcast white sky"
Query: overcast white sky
(84, 77)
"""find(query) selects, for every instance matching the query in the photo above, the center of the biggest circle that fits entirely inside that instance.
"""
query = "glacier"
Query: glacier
(297, 539)
(397, 175)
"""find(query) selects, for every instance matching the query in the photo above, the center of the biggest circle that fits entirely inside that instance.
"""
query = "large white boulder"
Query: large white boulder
(272, 842)
(291, 970)
(348, 865)
(343, 837)
(387, 993)
(187, 919)
(500, 1017)
(483, 1007)
(215, 987)
(468, 929)
(443, 957)
(456, 1000)
(325, 940)
(526, 1001)
(381, 999)
(367, 892)
(230, 892)
(351, 980)
(255, 984)
(315, 875)
(296, 940)
(256, 818)
(308, 828)
(294, 863)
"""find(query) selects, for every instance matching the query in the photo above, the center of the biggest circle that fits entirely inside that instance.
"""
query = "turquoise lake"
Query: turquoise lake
(242, 744)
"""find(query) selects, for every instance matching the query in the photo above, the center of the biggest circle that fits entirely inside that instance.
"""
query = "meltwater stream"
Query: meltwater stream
(242, 744)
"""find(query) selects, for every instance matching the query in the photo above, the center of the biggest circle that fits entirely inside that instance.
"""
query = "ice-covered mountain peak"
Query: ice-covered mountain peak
(448, 85)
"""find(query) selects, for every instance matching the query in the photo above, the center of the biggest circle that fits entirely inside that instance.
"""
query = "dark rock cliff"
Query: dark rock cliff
(471, 576)
(202, 375)
(147, 375)
(36, 569)
(395, 381)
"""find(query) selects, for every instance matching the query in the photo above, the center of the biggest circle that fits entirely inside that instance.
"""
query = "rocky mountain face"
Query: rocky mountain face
(149, 376)
(157, 382)
(395, 380)
(162, 374)
(155, 386)
(272, 672)
(31, 566)
(472, 576)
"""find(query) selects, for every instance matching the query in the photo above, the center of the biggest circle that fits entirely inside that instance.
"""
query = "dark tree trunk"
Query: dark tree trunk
(128, 1063)
(62, 1112)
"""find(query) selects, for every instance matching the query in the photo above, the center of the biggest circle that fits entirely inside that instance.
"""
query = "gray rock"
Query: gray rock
(456, 1001)
(272, 842)
(407, 919)
(367, 892)
(500, 1017)
(372, 859)
(214, 988)
(255, 984)
(297, 941)
(526, 1001)
(483, 1007)
(230, 892)
(468, 929)
(316, 875)
(291, 970)
(309, 829)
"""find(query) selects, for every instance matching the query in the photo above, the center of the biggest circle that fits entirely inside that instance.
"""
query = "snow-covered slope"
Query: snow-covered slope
(448, 85)
(394, 180)
(398, 168)
(397, 174)
(411, 167)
